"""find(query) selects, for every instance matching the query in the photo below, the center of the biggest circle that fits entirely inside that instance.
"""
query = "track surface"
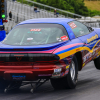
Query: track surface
(88, 88)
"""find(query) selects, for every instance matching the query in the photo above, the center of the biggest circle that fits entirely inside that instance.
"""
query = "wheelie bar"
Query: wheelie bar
(34, 85)
(37, 84)
(13, 85)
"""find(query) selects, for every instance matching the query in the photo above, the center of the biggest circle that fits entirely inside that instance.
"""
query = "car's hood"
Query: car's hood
(48, 48)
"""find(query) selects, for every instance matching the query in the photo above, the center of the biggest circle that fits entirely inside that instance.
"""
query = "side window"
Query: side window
(78, 28)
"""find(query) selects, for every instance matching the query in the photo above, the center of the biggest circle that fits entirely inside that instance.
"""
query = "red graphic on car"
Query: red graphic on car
(35, 30)
(64, 38)
(72, 25)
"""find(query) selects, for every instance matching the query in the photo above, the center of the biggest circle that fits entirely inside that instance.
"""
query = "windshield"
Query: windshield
(36, 34)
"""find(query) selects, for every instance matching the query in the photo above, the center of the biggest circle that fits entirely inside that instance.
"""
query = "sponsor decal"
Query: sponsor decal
(64, 38)
(29, 39)
(57, 70)
(67, 67)
(66, 72)
(99, 53)
(87, 57)
(72, 25)
(35, 30)
(18, 77)
(98, 50)
(58, 39)
(90, 55)
(83, 65)
(84, 59)
(92, 38)
(90, 59)
(62, 74)
(93, 53)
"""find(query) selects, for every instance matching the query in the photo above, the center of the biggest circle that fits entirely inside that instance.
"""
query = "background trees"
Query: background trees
(75, 6)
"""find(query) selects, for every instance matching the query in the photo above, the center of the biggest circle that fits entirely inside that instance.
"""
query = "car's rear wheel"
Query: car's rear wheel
(70, 80)
(97, 62)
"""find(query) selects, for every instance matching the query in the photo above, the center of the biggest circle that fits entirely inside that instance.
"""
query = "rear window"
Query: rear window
(36, 34)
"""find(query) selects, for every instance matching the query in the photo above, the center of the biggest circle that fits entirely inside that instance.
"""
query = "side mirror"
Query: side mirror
(2, 35)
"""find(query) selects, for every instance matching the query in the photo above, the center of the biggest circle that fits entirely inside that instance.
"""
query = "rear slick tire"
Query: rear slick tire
(68, 81)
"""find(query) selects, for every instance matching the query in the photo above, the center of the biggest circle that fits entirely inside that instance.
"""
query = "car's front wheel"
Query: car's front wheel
(97, 62)
(70, 80)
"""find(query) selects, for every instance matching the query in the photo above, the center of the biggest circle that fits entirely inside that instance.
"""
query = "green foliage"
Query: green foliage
(75, 6)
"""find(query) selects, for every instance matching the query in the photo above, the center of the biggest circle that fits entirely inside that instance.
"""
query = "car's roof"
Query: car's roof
(47, 20)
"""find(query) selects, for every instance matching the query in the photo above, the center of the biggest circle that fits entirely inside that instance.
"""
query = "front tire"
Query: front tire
(70, 80)
(97, 62)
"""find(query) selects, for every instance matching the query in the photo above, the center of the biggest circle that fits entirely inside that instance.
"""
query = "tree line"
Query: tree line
(91, 0)
(75, 6)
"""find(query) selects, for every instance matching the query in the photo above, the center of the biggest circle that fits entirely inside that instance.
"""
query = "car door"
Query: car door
(88, 36)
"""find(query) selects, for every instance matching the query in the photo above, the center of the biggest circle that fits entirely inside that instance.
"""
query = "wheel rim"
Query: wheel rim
(72, 70)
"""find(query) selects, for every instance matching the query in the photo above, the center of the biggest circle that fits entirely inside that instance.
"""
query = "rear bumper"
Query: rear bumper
(32, 73)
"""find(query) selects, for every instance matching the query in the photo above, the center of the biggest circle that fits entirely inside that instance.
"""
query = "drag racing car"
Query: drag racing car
(54, 49)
